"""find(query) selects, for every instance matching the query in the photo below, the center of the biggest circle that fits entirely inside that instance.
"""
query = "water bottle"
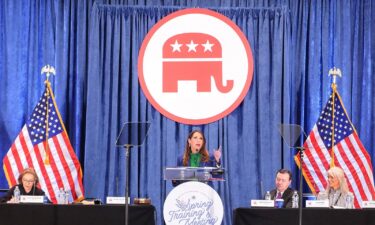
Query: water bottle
(17, 194)
(295, 200)
(349, 200)
(61, 196)
(66, 197)
(267, 196)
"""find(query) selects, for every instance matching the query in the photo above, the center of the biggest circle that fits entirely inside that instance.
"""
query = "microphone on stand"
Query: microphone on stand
(34, 188)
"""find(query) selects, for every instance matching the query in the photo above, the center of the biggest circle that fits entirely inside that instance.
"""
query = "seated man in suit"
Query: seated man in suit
(282, 182)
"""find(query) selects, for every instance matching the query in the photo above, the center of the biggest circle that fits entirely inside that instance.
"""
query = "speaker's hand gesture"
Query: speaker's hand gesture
(217, 154)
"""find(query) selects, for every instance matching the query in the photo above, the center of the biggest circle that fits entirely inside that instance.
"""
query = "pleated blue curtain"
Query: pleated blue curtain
(32, 35)
(327, 34)
(294, 44)
(248, 136)
(20, 77)
(199, 3)
(338, 34)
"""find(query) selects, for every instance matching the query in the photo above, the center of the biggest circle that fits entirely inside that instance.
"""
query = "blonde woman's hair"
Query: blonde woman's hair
(340, 175)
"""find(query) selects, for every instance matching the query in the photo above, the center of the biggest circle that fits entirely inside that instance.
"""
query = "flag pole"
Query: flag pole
(334, 72)
(47, 70)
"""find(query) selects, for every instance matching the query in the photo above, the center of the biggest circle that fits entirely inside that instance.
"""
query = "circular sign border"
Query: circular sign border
(194, 186)
(239, 99)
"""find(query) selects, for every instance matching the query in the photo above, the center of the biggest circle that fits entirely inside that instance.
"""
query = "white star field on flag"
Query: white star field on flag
(37, 123)
(342, 125)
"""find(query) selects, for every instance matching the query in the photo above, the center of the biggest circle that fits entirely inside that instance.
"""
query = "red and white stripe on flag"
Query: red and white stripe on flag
(49, 153)
(349, 154)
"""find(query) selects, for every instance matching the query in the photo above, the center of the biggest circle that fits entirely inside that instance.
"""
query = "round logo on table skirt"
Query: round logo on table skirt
(193, 203)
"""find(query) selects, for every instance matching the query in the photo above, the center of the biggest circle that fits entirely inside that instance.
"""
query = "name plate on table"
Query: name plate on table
(31, 199)
(262, 203)
(368, 204)
(317, 203)
(116, 200)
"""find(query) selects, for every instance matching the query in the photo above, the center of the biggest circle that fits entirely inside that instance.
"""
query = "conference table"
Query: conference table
(310, 216)
(48, 214)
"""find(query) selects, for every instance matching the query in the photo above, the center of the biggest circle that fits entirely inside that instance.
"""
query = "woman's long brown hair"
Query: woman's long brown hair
(203, 151)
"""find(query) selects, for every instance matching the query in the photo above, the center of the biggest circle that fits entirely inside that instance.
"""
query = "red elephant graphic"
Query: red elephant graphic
(196, 57)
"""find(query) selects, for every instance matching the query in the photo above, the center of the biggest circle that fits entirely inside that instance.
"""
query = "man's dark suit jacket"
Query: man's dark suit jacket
(287, 196)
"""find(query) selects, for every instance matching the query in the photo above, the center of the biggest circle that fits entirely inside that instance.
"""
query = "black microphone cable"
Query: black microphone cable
(34, 188)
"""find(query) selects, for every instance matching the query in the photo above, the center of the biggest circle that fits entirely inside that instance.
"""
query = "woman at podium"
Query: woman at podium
(196, 154)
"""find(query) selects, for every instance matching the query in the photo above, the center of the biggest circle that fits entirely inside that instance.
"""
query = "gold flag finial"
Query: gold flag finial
(334, 72)
(47, 69)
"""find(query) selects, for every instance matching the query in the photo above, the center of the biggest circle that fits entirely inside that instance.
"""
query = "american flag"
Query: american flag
(348, 153)
(46, 148)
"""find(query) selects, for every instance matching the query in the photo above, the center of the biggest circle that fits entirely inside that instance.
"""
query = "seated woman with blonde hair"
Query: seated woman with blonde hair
(337, 189)
(27, 184)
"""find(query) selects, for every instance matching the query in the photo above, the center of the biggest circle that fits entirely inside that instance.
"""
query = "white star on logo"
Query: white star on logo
(207, 46)
(192, 46)
(176, 46)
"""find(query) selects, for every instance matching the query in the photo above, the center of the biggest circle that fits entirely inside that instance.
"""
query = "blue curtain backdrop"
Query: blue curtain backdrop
(94, 48)
(114, 97)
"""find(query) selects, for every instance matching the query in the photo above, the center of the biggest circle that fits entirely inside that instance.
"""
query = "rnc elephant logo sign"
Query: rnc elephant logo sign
(195, 66)
(193, 62)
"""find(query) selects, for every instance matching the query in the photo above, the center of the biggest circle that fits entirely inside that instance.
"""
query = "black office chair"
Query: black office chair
(2, 192)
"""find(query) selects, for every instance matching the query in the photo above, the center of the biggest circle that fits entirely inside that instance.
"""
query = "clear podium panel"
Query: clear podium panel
(194, 173)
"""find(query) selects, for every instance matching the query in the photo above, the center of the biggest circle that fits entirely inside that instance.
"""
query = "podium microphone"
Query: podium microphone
(34, 188)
